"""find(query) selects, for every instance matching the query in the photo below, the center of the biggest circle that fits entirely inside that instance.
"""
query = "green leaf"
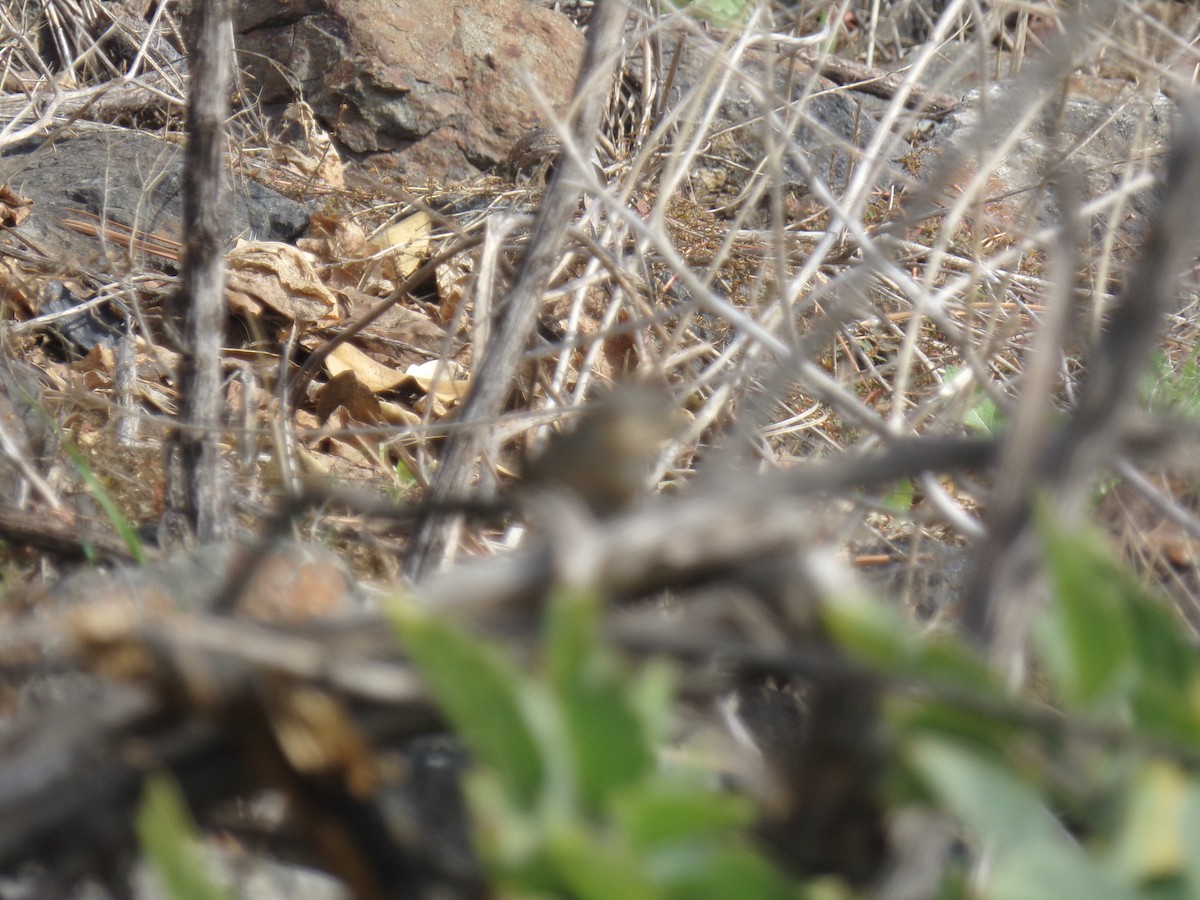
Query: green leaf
(652, 697)
(877, 634)
(598, 867)
(483, 695)
(511, 841)
(1169, 710)
(1084, 636)
(946, 659)
(606, 734)
(994, 803)
(1189, 829)
(1150, 843)
(404, 475)
(900, 500)
(1108, 644)
(1178, 393)
(870, 630)
(168, 838)
(1053, 871)
(985, 417)
(1033, 857)
(979, 728)
(1161, 651)
(707, 872)
(1166, 697)
(665, 811)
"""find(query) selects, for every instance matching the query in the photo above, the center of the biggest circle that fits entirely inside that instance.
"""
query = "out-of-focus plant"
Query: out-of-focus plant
(570, 796)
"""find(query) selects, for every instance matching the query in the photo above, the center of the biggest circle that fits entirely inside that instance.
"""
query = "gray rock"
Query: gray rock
(1099, 138)
(902, 23)
(131, 178)
(828, 128)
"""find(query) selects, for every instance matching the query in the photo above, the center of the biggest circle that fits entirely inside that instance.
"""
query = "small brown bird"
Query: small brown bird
(606, 459)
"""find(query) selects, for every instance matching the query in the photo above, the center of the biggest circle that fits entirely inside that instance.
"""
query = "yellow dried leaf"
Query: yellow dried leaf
(318, 736)
(374, 374)
(443, 378)
(406, 243)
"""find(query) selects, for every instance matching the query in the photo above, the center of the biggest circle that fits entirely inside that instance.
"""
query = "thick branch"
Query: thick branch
(195, 495)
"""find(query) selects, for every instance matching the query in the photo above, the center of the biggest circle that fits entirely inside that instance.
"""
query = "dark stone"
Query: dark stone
(133, 179)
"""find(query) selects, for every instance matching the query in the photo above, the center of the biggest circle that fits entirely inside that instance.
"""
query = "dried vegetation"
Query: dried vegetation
(863, 320)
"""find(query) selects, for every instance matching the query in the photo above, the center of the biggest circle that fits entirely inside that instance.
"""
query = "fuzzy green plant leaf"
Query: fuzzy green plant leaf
(1054, 871)
(964, 722)
(995, 804)
(712, 872)
(609, 740)
(482, 693)
(668, 811)
(985, 417)
(723, 13)
(877, 634)
(873, 632)
(1174, 391)
(1034, 860)
(1166, 696)
(1084, 637)
(511, 841)
(900, 499)
(597, 866)
(1033, 857)
(1161, 650)
(651, 695)
(1189, 829)
(1109, 645)
(168, 838)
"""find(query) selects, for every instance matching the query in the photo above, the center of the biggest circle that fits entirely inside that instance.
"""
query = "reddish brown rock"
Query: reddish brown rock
(442, 87)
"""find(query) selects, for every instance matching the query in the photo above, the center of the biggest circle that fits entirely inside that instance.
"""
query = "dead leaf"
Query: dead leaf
(19, 286)
(347, 450)
(375, 375)
(452, 277)
(443, 378)
(14, 209)
(431, 407)
(346, 391)
(341, 244)
(318, 736)
(97, 367)
(406, 244)
(313, 152)
(334, 238)
(395, 414)
(400, 323)
(282, 278)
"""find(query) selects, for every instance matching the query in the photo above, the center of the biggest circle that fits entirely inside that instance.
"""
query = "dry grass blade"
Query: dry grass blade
(844, 243)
